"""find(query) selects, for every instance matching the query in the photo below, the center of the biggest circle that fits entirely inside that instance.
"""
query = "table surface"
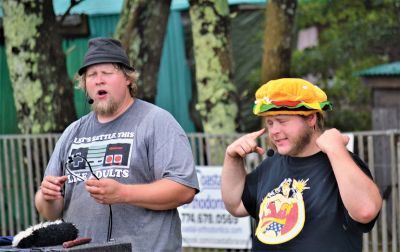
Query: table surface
(111, 246)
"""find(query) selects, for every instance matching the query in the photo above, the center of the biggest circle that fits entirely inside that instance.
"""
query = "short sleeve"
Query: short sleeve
(249, 196)
(173, 157)
(354, 225)
(57, 160)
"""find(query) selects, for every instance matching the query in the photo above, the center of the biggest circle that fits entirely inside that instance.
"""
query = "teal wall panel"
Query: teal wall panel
(174, 87)
(8, 120)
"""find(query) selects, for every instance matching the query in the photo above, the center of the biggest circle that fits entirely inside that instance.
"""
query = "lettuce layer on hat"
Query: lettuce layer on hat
(290, 96)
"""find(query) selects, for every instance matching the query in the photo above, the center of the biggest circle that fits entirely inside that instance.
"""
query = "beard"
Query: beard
(105, 108)
(300, 142)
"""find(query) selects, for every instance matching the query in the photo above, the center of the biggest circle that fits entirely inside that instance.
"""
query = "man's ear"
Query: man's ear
(312, 120)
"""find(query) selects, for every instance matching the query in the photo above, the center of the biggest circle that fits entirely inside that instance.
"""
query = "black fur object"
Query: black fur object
(46, 234)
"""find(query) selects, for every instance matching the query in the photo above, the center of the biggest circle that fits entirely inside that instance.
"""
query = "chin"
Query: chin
(282, 151)
(286, 151)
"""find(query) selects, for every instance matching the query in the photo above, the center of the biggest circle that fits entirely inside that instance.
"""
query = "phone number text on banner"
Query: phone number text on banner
(206, 223)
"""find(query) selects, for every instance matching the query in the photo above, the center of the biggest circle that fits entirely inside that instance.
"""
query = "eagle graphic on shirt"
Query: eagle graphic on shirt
(282, 212)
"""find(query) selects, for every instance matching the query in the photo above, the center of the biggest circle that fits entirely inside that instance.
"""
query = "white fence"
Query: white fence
(23, 159)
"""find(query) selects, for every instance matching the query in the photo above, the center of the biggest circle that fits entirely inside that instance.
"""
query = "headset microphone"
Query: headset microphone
(90, 101)
(270, 152)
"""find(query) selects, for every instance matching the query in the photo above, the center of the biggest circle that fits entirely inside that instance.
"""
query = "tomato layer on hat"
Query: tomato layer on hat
(290, 96)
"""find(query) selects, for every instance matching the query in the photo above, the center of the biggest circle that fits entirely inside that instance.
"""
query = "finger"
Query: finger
(252, 146)
(260, 150)
(95, 196)
(50, 189)
(49, 180)
(91, 189)
(99, 198)
(92, 182)
(61, 180)
(55, 180)
(257, 134)
(94, 189)
(248, 146)
(243, 146)
(49, 194)
(346, 139)
(241, 152)
(100, 201)
(50, 186)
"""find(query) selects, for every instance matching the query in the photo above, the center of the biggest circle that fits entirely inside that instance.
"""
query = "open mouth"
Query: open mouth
(101, 92)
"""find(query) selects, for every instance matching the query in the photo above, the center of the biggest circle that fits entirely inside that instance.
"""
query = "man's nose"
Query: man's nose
(99, 79)
(273, 128)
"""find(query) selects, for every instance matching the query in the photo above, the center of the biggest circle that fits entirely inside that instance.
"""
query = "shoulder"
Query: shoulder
(74, 126)
(157, 116)
(151, 110)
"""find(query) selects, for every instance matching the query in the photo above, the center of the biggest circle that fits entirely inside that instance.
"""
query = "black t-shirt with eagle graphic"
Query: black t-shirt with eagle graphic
(297, 206)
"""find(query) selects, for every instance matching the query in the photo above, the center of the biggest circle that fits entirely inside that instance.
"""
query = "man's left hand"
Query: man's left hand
(332, 140)
(104, 191)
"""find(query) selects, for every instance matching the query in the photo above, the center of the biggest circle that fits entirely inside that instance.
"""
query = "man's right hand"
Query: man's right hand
(234, 174)
(51, 187)
(245, 145)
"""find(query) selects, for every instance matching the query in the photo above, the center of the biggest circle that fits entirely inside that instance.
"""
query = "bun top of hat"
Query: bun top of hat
(291, 96)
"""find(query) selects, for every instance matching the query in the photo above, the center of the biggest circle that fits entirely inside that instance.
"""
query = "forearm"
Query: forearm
(163, 194)
(359, 193)
(48, 209)
(232, 184)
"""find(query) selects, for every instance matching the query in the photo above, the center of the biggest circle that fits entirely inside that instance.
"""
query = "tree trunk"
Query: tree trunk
(43, 92)
(278, 36)
(216, 93)
(141, 30)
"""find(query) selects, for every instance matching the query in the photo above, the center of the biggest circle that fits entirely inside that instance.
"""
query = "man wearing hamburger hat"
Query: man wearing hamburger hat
(311, 194)
(120, 172)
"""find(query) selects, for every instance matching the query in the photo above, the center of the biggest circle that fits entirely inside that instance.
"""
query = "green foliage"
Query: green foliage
(353, 35)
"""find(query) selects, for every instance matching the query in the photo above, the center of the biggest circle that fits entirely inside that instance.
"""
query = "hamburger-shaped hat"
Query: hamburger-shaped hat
(290, 96)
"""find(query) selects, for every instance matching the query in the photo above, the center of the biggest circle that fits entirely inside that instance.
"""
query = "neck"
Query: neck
(122, 108)
(312, 147)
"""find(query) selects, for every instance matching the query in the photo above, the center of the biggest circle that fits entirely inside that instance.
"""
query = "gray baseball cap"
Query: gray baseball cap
(104, 50)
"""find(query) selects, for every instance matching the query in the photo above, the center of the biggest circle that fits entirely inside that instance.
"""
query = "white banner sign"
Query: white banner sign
(206, 223)
(350, 145)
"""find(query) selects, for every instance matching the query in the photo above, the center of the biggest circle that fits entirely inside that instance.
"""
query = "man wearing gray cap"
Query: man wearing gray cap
(120, 172)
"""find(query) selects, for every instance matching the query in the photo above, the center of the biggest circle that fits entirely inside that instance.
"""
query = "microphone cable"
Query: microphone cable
(70, 160)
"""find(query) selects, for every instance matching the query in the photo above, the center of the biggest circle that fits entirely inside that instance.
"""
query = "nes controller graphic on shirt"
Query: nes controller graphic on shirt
(110, 158)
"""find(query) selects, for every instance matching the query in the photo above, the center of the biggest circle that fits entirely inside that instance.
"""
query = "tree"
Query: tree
(43, 92)
(353, 35)
(141, 29)
(216, 93)
(279, 28)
